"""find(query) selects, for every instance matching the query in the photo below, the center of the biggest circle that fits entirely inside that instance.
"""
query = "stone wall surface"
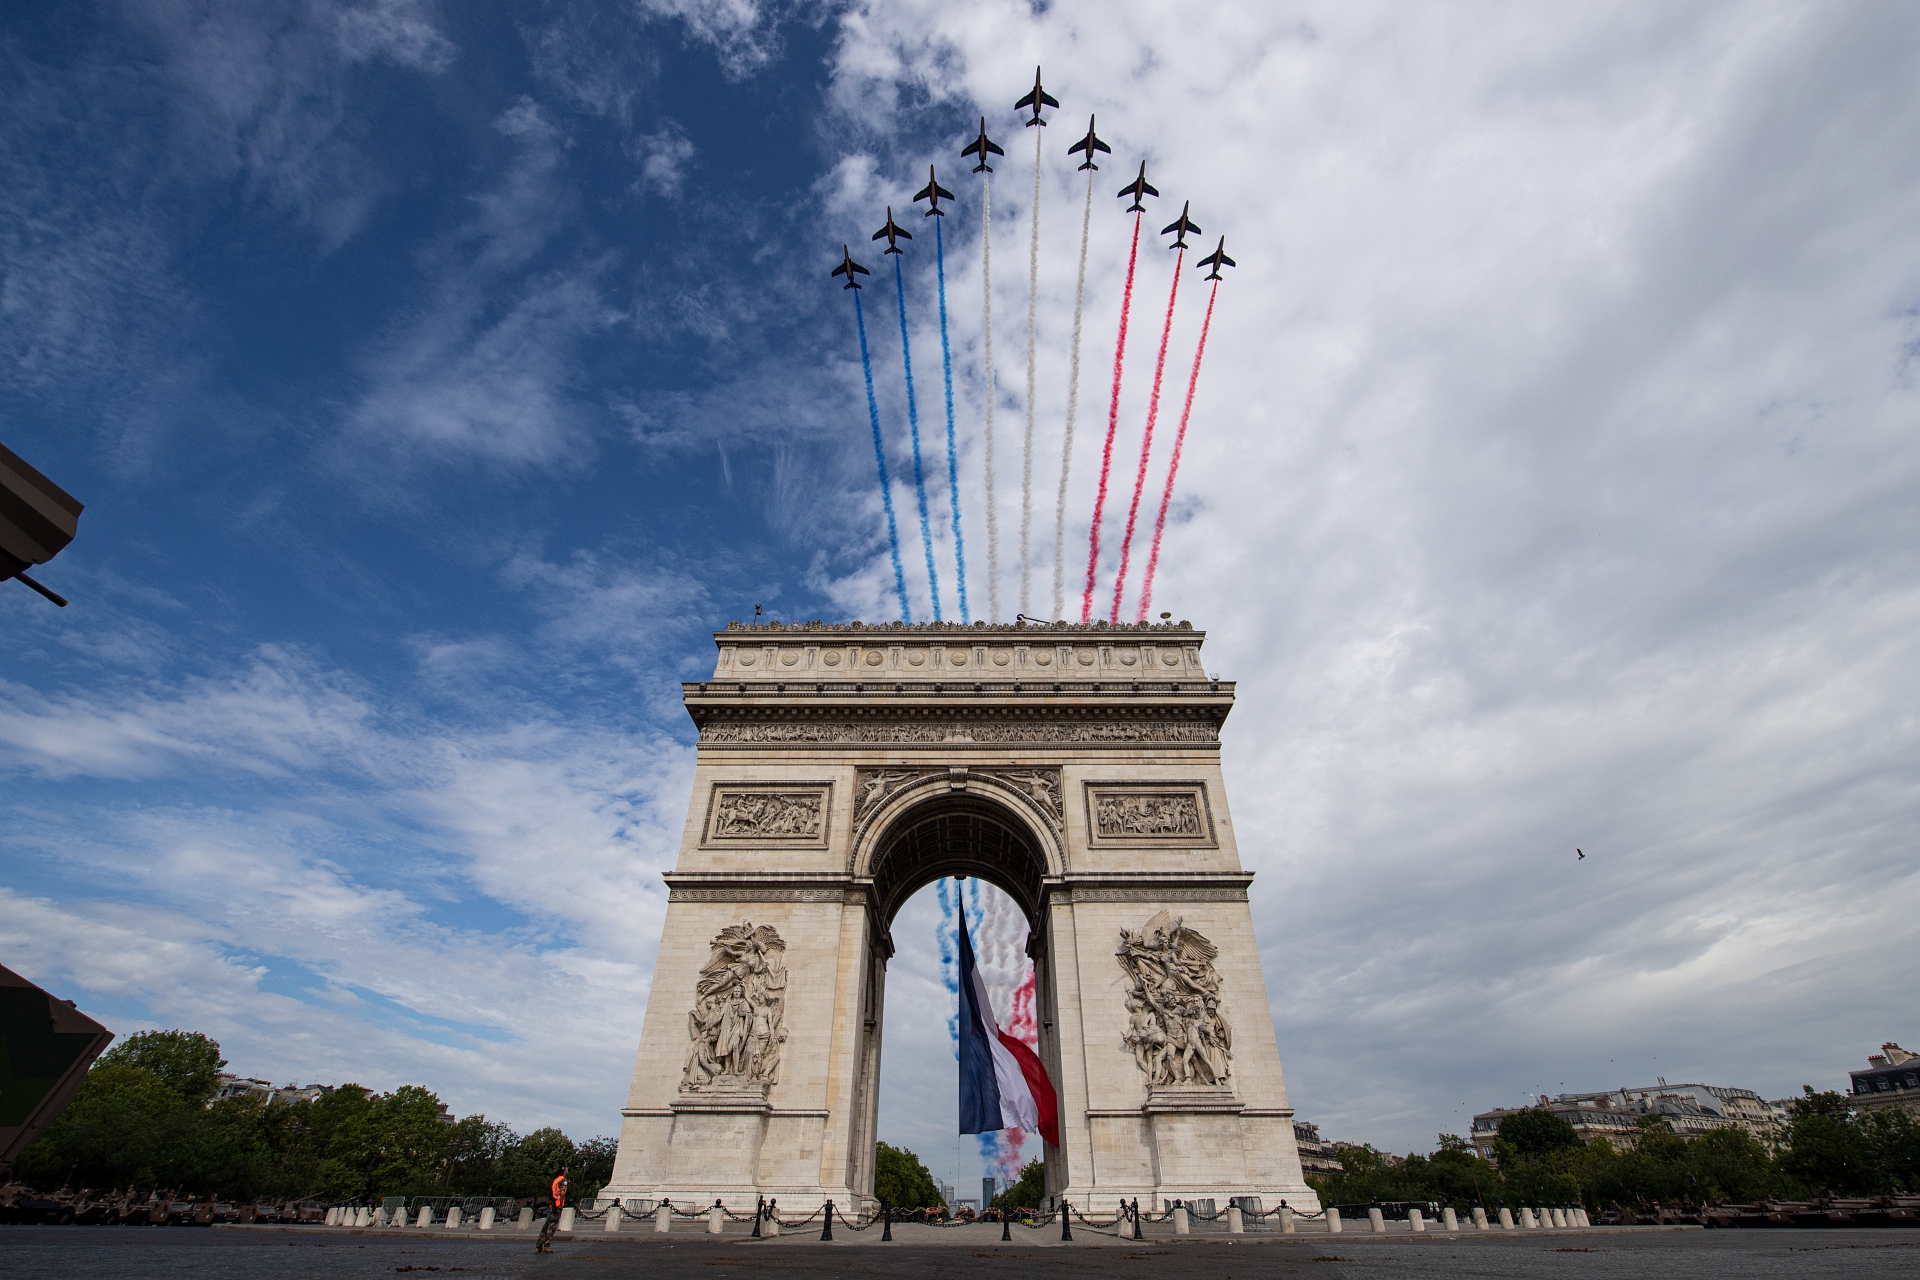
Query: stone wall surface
(841, 768)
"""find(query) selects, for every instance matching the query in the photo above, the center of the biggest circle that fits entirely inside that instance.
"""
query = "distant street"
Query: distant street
(106, 1253)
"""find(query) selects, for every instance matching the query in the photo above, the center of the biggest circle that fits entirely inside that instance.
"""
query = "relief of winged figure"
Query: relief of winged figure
(738, 1022)
(1175, 1028)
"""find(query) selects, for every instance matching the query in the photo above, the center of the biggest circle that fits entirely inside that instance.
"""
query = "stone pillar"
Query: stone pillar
(1180, 1224)
(613, 1216)
(453, 1217)
(771, 1225)
(1527, 1218)
(524, 1221)
(426, 1216)
(716, 1219)
(1581, 1210)
(1333, 1220)
(1236, 1224)
(486, 1218)
(1449, 1219)
(1286, 1219)
(1556, 1218)
(1416, 1220)
(663, 1217)
(1479, 1218)
(1377, 1221)
(1506, 1218)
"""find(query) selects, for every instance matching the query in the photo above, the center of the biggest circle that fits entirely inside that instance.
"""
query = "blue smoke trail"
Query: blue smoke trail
(913, 423)
(953, 454)
(880, 456)
(947, 937)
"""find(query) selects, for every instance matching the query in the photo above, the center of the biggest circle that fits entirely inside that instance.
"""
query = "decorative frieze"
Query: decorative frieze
(1149, 813)
(1175, 1029)
(959, 731)
(767, 813)
(738, 1021)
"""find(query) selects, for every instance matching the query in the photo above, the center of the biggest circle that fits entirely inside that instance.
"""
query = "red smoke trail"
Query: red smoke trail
(1146, 441)
(1173, 467)
(1113, 425)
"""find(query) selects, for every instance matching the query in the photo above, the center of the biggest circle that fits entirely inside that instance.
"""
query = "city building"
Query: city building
(1316, 1156)
(1614, 1114)
(233, 1086)
(1892, 1079)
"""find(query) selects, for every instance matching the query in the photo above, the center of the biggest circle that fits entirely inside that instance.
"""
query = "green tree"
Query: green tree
(1537, 1131)
(1029, 1191)
(528, 1166)
(1826, 1149)
(185, 1061)
(593, 1166)
(901, 1180)
(122, 1129)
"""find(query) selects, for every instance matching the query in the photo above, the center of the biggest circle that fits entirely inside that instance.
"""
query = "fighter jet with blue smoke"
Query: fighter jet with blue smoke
(1037, 99)
(848, 268)
(982, 148)
(1217, 259)
(892, 235)
(1182, 225)
(1091, 144)
(933, 193)
(1137, 188)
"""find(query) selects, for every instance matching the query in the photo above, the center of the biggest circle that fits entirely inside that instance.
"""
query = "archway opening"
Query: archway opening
(946, 856)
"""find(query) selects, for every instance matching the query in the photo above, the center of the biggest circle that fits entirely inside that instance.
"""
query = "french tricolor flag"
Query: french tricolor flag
(1002, 1084)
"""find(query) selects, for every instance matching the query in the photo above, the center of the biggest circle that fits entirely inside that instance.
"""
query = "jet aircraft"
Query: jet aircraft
(848, 267)
(933, 193)
(891, 234)
(1137, 188)
(1182, 225)
(983, 148)
(1091, 144)
(1217, 259)
(1037, 99)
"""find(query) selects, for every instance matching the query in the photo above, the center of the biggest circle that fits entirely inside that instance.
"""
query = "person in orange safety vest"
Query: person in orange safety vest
(545, 1243)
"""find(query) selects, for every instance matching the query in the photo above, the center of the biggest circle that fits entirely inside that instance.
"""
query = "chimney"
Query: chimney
(1895, 1054)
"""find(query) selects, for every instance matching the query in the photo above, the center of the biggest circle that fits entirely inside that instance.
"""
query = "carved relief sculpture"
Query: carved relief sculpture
(871, 786)
(1042, 786)
(738, 1020)
(1175, 1029)
(1148, 815)
(762, 814)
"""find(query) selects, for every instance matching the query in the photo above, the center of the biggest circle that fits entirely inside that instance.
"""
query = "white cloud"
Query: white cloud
(663, 156)
(401, 30)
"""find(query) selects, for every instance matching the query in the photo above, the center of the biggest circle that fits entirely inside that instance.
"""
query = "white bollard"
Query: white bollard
(1236, 1224)
(1556, 1217)
(716, 1219)
(523, 1221)
(1416, 1220)
(487, 1216)
(1286, 1219)
(1527, 1219)
(1479, 1218)
(1506, 1218)
(1333, 1220)
(1180, 1224)
(426, 1217)
(364, 1217)
(453, 1217)
(566, 1218)
(1585, 1221)
(613, 1216)
(333, 1218)
(1449, 1219)
(1378, 1221)
(771, 1226)
(663, 1217)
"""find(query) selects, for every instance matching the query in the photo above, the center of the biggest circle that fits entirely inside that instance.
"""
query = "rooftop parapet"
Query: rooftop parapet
(949, 651)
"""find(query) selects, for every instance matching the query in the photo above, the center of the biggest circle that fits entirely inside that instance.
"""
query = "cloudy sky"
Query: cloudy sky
(437, 376)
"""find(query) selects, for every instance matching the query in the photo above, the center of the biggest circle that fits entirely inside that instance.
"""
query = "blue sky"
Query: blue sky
(437, 376)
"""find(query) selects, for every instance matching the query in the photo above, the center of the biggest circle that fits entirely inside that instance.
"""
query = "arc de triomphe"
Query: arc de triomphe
(842, 767)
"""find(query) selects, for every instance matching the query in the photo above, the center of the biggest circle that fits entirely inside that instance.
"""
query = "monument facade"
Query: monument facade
(841, 768)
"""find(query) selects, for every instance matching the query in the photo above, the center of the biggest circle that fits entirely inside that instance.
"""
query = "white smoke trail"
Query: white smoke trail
(986, 293)
(1026, 453)
(1073, 407)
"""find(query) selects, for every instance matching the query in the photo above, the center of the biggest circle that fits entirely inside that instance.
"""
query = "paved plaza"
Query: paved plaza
(158, 1253)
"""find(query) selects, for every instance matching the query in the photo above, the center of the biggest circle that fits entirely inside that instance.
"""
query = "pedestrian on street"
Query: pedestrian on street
(545, 1243)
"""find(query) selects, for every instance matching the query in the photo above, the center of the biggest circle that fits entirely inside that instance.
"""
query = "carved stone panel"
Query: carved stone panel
(1042, 786)
(959, 730)
(1156, 813)
(738, 1020)
(871, 787)
(761, 813)
(1175, 1029)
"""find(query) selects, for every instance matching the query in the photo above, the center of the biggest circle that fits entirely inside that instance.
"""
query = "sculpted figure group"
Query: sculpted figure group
(753, 813)
(738, 1019)
(1174, 1025)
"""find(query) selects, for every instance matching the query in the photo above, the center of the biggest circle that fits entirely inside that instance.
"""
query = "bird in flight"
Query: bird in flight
(1581, 858)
